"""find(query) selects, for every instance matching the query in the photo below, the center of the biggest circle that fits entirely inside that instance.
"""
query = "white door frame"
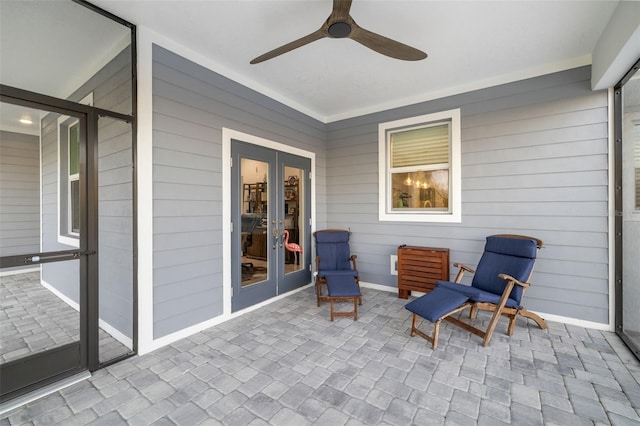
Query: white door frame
(227, 136)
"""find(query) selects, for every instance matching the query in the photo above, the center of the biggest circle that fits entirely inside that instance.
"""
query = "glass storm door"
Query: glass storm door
(43, 245)
(629, 293)
(270, 241)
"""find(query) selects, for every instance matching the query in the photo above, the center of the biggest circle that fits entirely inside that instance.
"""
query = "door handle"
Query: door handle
(281, 233)
(274, 234)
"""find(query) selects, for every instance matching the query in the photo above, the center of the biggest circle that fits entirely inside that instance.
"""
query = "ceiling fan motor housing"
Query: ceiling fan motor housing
(339, 30)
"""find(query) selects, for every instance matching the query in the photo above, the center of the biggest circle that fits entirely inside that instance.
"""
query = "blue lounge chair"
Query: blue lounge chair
(498, 285)
(336, 268)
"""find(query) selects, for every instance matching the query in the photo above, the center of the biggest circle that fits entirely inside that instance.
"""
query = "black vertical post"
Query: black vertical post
(91, 232)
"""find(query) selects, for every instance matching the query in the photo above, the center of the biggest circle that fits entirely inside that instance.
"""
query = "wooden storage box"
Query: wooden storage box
(420, 267)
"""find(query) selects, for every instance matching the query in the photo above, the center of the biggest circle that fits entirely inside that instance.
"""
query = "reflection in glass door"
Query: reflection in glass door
(295, 199)
(255, 231)
(270, 199)
(43, 245)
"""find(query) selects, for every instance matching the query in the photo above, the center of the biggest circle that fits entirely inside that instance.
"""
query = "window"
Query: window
(74, 179)
(419, 168)
(69, 180)
(69, 137)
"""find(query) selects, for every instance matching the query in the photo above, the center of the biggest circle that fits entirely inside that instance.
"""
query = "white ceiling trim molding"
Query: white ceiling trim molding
(618, 47)
(215, 66)
(210, 64)
(469, 87)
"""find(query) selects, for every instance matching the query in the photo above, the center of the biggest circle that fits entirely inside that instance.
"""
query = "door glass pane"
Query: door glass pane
(74, 207)
(66, 50)
(74, 149)
(115, 238)
(631, 208)
(256, 236)
(39, 308)
(39, 302)
(293, 197)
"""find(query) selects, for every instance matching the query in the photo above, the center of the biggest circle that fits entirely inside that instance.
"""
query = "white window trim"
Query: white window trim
(454, 215)
(69, 238)
(70, 179)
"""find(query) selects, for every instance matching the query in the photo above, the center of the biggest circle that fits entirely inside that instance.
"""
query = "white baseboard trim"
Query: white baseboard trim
(576, 322)
(118, 335)
(21, 270)
(548, 317)
(60, 295)
(186, 332)
(379, 287)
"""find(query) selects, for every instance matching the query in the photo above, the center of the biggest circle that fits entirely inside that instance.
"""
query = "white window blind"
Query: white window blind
(424, 146)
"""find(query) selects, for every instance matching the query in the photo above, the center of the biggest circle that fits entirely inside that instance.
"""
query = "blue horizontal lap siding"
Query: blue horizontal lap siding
(19, 185)
(191, 105)
(534, 161)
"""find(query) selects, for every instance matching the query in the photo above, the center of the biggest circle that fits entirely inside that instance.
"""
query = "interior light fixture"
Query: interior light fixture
(26, 121)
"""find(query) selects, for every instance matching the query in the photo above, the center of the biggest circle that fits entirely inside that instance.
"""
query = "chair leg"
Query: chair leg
(535, 317)
(497, 314)
(512, 324)
(413, 325)
(355, 308)
(433, 338)
(319, 296)
(331, 303)
(436, 332)
(473, 312)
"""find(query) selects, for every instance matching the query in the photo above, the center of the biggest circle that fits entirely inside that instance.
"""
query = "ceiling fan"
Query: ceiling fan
(340, 24)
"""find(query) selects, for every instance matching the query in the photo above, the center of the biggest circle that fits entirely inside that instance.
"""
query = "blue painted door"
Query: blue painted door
(271, 239)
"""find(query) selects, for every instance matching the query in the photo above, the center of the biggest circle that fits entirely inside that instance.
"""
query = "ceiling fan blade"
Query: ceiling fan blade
(340, 11)
(317, 35)
(385, 45)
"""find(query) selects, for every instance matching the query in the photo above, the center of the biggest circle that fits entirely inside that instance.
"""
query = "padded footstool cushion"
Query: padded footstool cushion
(435, 304)
(343, 287)
(340, 285)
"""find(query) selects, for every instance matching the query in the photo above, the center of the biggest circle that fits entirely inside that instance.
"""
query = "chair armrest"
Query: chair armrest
(317, 263)
(353, 261)
(510, 278)
(462, 270)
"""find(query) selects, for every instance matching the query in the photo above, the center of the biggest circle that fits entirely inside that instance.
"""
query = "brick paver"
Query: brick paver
(287, 364)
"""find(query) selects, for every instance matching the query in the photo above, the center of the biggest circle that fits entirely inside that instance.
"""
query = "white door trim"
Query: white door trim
(227, 136)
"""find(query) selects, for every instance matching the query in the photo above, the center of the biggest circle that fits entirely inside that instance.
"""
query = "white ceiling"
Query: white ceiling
(51, 47)
(471, 44)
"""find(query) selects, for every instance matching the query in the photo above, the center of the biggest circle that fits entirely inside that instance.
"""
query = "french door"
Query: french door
(271, 234)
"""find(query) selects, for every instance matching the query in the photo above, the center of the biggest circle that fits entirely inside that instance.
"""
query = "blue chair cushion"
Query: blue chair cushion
(511, 256)
(347, 273)
(332, 247)
(476, 294)
(437, 303)
(342, 286)
(332, 237)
